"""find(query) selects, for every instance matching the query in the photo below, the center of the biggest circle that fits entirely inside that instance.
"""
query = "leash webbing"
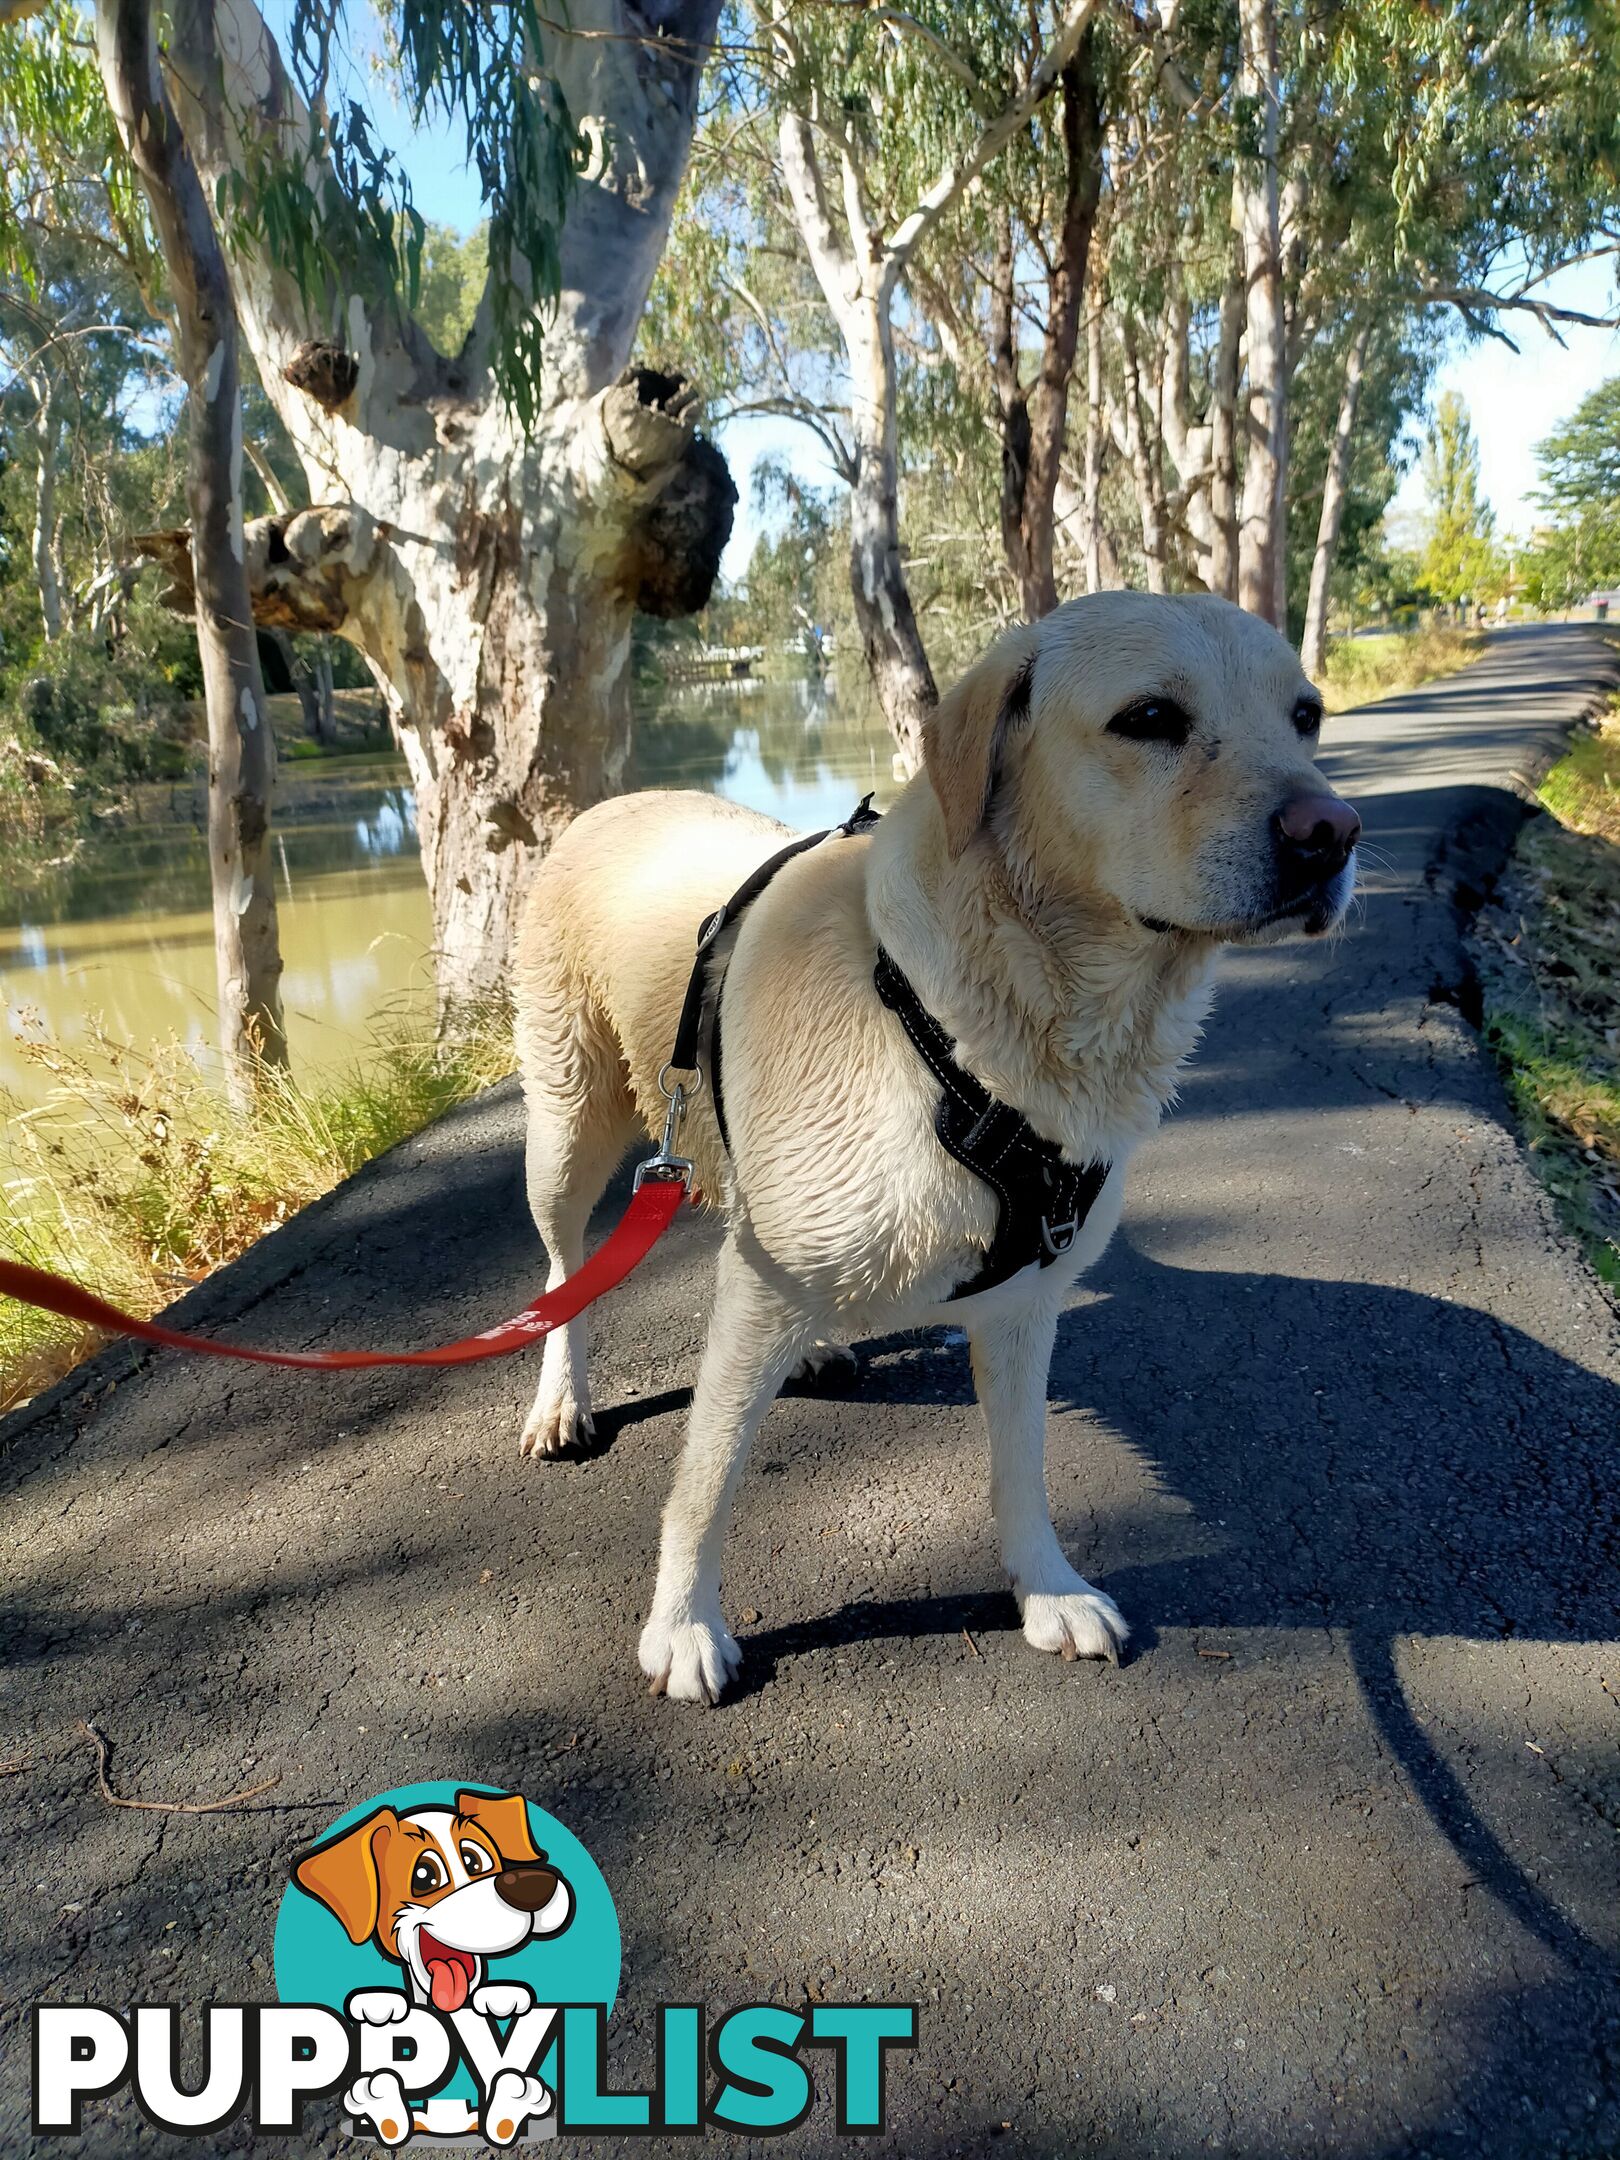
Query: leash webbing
(652, 1209)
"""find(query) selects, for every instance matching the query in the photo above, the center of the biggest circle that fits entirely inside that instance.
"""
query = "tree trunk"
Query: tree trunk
(241, 749)
(1049, 404)
(895, 654)
(1034, 422)
(489, 571)
(309, 670)
(1313, 645)
(1012, 402)
(1096, 392)
(1149, 501)
(1223, 554)
(1257, 217)
(47, 566)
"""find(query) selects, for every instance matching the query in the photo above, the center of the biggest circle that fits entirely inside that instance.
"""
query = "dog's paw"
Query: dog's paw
(558, 1425)
(512, 2099)
(502, 1999)
(378, 2006)
(689, 1660)
(1077, 1623)
(824, 1360)
(380, 2100)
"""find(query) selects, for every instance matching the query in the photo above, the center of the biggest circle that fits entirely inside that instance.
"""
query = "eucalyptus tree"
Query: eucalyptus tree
(883, 120)
(482, 523)
(55, 98)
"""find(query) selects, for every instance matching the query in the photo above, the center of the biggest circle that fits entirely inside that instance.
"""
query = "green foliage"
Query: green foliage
(452, 282)
(1460, 560)
(61, 146)
(111, 708)
(1578, 550)
(1550, 963)
(1580, 461)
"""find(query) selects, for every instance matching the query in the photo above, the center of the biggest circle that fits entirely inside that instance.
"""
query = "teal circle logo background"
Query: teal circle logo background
(315, 1962)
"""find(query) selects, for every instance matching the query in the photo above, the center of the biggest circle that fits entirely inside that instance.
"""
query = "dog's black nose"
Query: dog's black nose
(1314, 836)
(526, 1885)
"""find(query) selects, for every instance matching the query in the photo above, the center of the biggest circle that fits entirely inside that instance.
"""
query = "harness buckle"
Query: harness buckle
(1058, 1238)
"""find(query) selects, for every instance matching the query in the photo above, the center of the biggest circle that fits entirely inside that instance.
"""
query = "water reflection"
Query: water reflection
(123, 931)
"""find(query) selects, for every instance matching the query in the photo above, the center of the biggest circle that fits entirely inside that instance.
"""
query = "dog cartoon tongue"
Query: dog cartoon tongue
(449, 1974)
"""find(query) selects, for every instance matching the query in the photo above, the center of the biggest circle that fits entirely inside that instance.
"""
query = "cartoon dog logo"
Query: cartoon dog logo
(441, 1891)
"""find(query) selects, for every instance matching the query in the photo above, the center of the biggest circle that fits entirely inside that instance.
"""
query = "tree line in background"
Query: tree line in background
(1068, 296)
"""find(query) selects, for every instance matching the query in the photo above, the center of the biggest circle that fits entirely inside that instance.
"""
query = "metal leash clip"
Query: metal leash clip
(666, 1167)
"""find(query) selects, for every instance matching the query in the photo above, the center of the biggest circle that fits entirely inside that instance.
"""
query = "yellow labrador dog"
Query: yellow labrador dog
(1110, 796)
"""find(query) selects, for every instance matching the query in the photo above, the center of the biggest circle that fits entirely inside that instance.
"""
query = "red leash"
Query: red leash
(653, 1205)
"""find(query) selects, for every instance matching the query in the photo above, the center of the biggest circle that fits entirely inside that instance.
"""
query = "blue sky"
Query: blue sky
(1515, 398)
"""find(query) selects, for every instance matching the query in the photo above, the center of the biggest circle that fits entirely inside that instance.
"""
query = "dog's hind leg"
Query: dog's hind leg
(581, 1120)
(1011, 1357)
(755, 1338)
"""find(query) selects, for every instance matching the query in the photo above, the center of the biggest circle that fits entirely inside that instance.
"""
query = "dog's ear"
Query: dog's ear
(344, 1874)
(962, 736)
(505, 1817)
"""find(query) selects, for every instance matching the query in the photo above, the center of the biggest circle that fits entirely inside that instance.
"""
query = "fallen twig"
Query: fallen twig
(1224, 1655)
(165, 1807)
(968, 1639)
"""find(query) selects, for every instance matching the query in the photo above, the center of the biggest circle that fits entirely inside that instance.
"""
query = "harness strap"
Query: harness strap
(689, 1029)
(1043, 1200)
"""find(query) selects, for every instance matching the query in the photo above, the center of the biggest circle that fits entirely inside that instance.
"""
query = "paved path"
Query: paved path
(1328, 1867)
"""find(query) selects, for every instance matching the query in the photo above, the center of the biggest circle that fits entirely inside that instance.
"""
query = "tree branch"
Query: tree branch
(1476, 303)
(957, 175)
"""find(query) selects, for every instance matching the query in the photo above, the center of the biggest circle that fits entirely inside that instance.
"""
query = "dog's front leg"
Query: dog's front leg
(1062, 1612)
(754, 1340)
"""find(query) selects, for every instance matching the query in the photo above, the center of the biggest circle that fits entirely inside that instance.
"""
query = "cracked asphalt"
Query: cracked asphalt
(1329, 1867)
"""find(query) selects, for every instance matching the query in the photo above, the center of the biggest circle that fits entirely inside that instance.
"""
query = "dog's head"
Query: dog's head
(1158, 752)
(441, 1889)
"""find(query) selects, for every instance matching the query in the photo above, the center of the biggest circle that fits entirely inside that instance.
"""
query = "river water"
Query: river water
(121, 937)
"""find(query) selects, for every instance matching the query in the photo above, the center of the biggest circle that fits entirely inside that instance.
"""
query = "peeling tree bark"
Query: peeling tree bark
(241, 752)
(1313, 644)
(489, 574)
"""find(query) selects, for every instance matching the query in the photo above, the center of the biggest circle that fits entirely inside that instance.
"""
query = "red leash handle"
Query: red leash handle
(652, 1209)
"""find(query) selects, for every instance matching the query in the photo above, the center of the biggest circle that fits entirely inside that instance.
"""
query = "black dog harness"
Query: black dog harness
(1042, 1200)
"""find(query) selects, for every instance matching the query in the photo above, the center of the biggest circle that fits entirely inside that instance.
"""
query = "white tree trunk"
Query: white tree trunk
(241, 750)
(490, 573)
(47, 566)
(1313, 644)
(1256, 215)
(895, 655)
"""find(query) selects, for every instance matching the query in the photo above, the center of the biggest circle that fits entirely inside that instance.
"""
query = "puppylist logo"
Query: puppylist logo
(447, 1958)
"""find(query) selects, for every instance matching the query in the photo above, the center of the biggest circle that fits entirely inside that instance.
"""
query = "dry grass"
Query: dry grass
(1550, 964)
(1361, 670)
(134, 1179)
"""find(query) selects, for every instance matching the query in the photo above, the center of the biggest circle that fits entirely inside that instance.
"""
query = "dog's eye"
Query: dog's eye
(475, 1860)
(427, 1876)
(1307, 715)
(1155, 719)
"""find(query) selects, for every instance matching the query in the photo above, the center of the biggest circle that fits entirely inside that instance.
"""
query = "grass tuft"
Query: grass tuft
(134, 1178)
(1550, 966)
(1361, 670)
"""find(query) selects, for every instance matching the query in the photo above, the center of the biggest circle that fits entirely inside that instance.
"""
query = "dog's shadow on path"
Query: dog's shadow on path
(1360, 1459)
